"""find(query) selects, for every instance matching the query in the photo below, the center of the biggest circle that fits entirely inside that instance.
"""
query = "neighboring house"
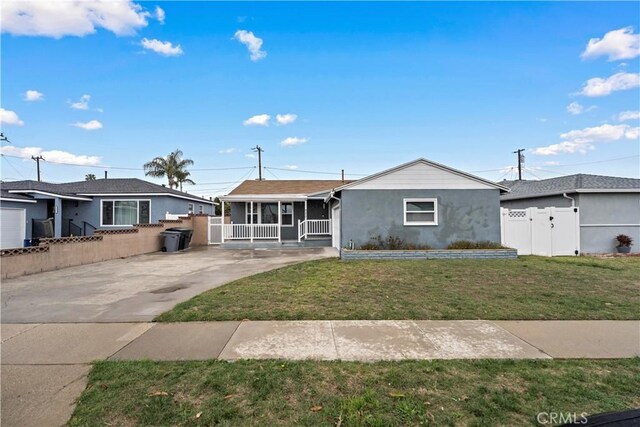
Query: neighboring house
(31, 209)
(421, 202)
(608, 205)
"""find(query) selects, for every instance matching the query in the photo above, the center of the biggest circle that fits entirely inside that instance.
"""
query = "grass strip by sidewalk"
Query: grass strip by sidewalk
(530, 288)
(261, 393)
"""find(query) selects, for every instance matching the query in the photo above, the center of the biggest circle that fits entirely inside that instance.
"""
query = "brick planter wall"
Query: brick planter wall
(348, 255)
(54, 254)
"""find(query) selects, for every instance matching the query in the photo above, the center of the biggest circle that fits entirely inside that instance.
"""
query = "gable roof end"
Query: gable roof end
(428, 163)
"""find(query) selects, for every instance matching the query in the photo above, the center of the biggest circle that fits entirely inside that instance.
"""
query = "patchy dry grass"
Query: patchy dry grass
(276, 393)
(528, 288)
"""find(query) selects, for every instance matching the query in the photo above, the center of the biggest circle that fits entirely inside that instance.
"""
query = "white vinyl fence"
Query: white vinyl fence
(546, 232)
(215, 230)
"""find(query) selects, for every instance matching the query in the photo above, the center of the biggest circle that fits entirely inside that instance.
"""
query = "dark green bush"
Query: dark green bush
(377, 243)
(468, 244)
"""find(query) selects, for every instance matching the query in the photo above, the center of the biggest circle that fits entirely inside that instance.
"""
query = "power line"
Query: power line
(316, 172)
(14, 168)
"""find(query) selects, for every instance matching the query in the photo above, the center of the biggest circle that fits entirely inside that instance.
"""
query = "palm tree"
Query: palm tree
(173, 166)
(89, 177)
(182, 177)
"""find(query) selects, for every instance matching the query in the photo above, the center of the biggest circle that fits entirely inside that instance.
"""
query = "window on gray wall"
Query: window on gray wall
(287, 213)
(125, 212)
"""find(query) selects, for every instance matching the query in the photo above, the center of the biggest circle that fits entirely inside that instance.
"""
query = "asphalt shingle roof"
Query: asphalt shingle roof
(567, 184)
(281, 186)
(99, 186)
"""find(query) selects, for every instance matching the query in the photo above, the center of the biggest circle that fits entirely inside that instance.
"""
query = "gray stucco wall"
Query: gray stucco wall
(33, 211)
(540, 202)
(462, 214)
(609, 208)
(90, 211)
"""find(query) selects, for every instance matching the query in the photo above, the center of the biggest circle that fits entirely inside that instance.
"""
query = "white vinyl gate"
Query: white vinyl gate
(546, 232)
(215, 230)
(12, 228)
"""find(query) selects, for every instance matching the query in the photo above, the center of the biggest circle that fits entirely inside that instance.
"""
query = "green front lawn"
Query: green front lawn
(528, 288)
(271, 393)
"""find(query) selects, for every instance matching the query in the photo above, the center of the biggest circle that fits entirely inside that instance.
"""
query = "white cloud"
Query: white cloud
(228, 151)
(33, 95)
(542, 119)
(8, 117)
(253, 43)
(82, 103)
(616, 44)
(599, 86)
(285, 119)
(258, 120)
(162, 48)
(551, 163)
(54, 156)
(160, 15)
(90, 125)
(291, 167)
(250, 156)
(576, 108)
(72, 18)
(629, 115)
(293, 140)
(583, 140)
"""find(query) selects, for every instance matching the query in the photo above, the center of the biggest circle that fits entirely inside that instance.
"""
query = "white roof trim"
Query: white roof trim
(8, 199)
(608, 190)
(414, 162)
(263, 197)
(46, 193)
(196, 199)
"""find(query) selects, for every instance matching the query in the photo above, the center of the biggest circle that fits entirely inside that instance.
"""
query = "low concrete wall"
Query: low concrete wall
(347, 255)
(103, 246)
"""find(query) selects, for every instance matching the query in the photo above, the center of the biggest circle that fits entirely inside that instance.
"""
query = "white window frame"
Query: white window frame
(190, 208)
(293, 211)
(255, 212)
(200, 209)
(114, 211)
(419, 223)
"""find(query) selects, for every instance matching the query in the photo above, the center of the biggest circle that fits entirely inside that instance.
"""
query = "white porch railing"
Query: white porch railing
(250, 232)
(314, 227)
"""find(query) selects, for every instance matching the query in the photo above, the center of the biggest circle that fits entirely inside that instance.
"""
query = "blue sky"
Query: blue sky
(371, 85)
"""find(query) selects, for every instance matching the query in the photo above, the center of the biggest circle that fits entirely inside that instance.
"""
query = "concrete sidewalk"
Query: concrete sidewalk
(44, 366)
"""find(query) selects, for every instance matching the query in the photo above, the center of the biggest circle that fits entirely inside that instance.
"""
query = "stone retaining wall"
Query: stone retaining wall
(347, 255)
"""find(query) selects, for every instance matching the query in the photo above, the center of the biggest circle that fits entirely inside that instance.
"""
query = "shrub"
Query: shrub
(468, 244)
(377, 243)
(624, 240)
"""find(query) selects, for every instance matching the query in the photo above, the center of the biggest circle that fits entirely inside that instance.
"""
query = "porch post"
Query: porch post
(221, 222)
(299, 233)
(57, 217)
(251, 222)
(279, 221)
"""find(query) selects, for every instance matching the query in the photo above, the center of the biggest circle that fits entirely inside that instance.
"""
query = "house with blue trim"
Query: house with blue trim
(33, 209)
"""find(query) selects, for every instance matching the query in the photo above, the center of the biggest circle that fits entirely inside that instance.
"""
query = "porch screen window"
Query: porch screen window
(269, 213)
(420, 212)
(125, 212)
(287, 213)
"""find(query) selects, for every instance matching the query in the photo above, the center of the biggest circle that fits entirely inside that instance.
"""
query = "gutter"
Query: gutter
(573, 201)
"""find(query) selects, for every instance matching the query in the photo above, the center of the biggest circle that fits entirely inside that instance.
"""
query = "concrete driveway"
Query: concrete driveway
(135, 289)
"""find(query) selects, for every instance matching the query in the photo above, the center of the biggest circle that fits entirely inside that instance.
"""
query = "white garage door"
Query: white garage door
(12, 228)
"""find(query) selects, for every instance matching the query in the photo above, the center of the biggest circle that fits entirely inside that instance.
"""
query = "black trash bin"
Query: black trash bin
(185, 238)
(171, 241)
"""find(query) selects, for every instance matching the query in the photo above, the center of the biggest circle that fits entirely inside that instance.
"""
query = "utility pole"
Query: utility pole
(37, 159)
(259, 151)
(520, 162)
(342, 175)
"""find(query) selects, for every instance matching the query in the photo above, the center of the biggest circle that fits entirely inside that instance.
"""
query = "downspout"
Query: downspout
(573, 201)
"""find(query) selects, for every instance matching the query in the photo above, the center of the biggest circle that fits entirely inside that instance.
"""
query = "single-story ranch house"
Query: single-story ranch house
(608, 205)
(421, 202)
(32, 209)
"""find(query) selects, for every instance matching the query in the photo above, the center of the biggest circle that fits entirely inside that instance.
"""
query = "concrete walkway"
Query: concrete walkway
(44, 366)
